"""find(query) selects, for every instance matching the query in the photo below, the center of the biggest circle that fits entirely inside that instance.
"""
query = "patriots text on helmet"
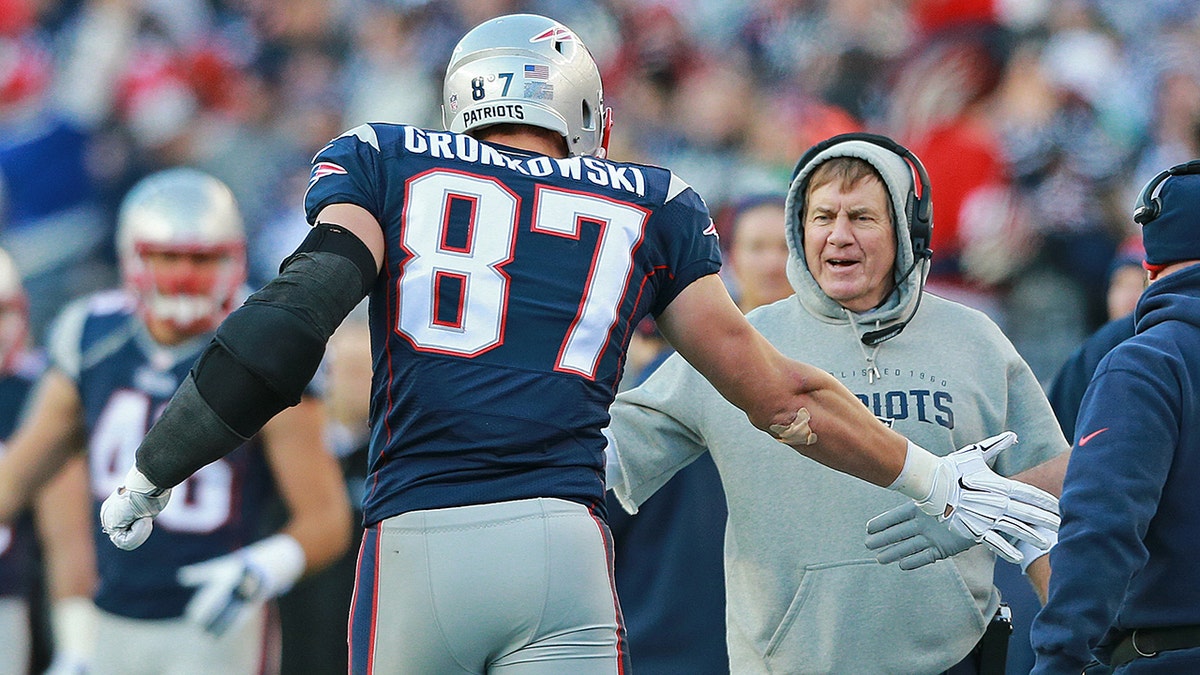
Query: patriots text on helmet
(447, 145)
(503, 111)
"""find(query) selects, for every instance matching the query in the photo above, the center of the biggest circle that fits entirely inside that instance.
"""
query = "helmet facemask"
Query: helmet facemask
(189, 289)
(183, 250)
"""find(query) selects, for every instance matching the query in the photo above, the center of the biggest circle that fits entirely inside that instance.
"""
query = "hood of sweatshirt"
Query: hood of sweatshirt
(909, 277)
(1175, 297)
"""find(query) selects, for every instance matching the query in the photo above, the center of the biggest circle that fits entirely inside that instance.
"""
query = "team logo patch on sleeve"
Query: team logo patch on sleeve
(322, 169)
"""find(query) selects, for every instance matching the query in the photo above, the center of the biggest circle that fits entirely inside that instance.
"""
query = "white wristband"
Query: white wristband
(916, 478)
(136, 481)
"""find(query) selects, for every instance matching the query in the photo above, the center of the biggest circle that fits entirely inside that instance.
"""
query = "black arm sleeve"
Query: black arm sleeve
(261, 358)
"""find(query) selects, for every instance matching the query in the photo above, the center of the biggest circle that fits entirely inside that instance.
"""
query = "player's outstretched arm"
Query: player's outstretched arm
(707, 329)
(47, 437)
(811, 411)
(63, 516)
(258, 363)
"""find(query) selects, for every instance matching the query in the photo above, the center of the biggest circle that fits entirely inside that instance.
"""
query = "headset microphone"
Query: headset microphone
(872, 338)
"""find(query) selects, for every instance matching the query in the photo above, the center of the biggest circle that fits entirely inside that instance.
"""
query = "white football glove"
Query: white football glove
(231, 587)
(913, 537)
(1029, 552)
(127, 515)
(963, 492)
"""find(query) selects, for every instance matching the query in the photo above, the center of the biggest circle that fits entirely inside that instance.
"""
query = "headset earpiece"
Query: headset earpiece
(918, 206)
(1149, 206)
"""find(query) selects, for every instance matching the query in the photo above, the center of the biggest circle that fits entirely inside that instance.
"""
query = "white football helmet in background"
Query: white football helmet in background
(14, 314)
(182, 211)
(527, 69)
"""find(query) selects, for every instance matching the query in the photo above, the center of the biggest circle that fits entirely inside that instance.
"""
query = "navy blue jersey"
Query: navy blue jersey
(124, 380)
(17, 543)
(511, 285)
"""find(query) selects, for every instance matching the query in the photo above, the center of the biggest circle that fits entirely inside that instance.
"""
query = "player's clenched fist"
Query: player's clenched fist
(127, 516)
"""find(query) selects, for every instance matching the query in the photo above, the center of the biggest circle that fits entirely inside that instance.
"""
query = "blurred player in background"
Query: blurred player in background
(17, 540)
(193, 601)
(69, 586)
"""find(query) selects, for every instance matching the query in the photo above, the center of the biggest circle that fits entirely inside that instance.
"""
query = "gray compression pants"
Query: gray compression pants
(514, 588)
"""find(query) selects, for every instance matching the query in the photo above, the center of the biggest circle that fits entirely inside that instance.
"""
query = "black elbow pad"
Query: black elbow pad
(259, 363)
(264, 354)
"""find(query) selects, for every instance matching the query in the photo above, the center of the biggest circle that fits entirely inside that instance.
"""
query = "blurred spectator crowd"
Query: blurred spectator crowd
(1038, 120)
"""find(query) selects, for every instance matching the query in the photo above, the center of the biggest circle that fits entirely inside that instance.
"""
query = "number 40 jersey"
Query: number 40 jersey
(124, 379)
(510, 287)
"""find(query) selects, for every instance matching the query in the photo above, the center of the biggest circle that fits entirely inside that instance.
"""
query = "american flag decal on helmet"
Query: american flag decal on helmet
(322, 169)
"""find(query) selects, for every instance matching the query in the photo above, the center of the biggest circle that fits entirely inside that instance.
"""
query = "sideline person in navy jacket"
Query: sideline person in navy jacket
(1124, 589)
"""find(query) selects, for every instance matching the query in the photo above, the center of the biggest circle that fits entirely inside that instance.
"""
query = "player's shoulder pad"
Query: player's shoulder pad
(364, 132)
(676, 187)
(64, 341)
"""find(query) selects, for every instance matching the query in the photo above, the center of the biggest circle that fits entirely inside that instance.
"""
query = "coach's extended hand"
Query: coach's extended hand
(981, 505)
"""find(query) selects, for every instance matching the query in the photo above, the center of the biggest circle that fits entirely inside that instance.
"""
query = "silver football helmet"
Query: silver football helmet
(182, 212)
(527, 69)
(14, 314)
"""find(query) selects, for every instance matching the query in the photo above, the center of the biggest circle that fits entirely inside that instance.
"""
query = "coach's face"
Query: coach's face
(850, 242)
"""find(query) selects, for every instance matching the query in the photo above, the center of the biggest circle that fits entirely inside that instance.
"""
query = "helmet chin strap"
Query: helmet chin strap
(602, 151)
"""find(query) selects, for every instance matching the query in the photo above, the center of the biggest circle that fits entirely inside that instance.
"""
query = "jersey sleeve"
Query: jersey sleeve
(655, 430)
(688, 240)
(64, 344)
(346, 171)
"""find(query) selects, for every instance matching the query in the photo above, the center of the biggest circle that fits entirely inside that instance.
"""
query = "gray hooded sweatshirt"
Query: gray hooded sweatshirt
(804, 594)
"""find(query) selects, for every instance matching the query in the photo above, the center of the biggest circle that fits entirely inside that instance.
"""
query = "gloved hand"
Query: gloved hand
(915, 538)
(232, 586)
(963, 492)
(127, 515)
(1029, 552)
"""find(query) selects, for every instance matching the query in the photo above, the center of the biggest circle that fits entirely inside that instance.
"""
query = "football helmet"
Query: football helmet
(527, 69)
(182, 211)
(14, 314)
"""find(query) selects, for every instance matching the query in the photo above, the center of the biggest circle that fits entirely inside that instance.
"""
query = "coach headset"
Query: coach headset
(918, 211)
(1149, 205)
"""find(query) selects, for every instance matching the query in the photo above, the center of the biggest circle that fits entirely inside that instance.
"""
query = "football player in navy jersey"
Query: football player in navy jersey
(58, 536)
(507, 263)
(194, 600)
(17, 540)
